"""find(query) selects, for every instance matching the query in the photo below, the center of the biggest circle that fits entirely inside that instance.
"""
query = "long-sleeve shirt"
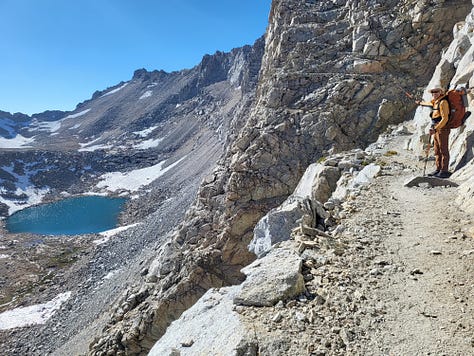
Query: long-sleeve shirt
(440, 113)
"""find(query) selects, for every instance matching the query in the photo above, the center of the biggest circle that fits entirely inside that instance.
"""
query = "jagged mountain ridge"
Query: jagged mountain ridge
(185, 120)
(147, 99)
(187, 125)
(155, 116)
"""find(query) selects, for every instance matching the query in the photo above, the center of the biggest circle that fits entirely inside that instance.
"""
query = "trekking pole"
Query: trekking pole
(409, 95)
(427, 154)
(406, 92)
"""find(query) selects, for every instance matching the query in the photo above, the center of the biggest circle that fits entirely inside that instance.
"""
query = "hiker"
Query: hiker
(439, 131)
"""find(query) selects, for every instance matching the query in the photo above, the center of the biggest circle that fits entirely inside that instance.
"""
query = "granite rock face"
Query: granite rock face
(333, 78)
(321, 189)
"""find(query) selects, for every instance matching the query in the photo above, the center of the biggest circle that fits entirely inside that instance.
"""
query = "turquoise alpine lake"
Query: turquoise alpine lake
(72, 216)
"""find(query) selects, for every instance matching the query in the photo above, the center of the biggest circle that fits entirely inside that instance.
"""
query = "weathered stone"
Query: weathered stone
(165, 263)
(366, 175)
(274, 277)
(210, 327)
(275, 227)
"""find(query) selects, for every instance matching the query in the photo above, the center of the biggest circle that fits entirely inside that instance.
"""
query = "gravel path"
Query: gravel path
(427, 302)
(400, 283)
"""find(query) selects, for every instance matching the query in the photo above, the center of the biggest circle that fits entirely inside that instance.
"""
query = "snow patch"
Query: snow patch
(146, 94)
(94, 148)
(89, 147)
(148, 144)
(115, 90)
(76, 126)
(35, 196)
(32, 315)
(73, 116)
(49, 126)
(23, 180)
(23, 187)
(17, 142)
(146, 132)
(90, 142)
(109, 233)
(132, 181)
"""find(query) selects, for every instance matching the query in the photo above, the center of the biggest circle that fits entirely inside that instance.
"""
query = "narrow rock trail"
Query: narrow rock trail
(424, 259)
(396, 280)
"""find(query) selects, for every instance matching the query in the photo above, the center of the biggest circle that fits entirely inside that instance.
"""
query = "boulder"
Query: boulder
(314, 188)
(466, 190)
(274, 277)
(209, 327)
(366, 175)
(275, 227)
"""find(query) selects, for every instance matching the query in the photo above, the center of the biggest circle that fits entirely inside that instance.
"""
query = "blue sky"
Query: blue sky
(56, 53)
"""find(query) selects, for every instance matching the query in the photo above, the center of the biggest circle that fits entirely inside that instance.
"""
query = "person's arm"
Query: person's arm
(425, 103)
(444, 111)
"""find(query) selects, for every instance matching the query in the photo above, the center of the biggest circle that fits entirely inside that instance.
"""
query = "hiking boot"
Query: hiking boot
(432, 174)
(443, 174)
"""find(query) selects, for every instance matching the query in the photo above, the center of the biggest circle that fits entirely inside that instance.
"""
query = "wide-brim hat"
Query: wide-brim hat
(436, 90)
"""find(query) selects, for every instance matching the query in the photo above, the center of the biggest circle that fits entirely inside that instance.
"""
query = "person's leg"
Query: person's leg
(437, 151)
(443, 148)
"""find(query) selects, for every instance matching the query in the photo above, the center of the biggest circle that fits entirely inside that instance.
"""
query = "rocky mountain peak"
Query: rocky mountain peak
(144, 75)
(19, 117)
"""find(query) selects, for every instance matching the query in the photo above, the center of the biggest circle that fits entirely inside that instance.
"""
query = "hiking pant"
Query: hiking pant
(441, 149)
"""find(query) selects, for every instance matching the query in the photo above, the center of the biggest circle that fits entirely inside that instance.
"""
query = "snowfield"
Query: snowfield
(73, 116)
(136, 179)
(32, 315)
(17, 142)
(113, 91)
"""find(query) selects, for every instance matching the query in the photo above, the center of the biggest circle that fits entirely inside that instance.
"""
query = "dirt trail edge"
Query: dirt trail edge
(421, 278)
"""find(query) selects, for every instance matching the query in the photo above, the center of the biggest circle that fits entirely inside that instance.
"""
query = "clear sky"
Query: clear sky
(56, 53)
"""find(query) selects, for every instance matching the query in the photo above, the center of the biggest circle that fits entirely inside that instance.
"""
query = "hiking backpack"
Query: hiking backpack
(457, 100)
